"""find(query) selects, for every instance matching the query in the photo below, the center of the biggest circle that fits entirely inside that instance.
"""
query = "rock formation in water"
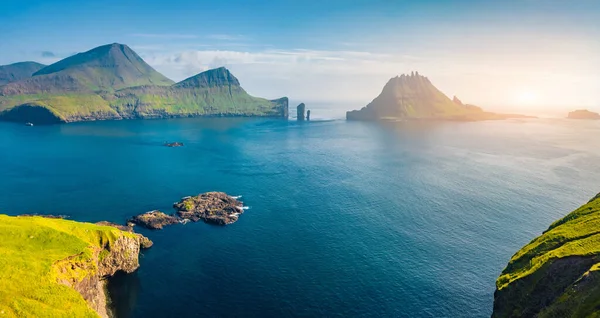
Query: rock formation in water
(300, 111)
(154, 220)
(212, 207)
(40, 256)
(583, 114)
(308, 114)
(113, 82)
(558, 273)
(413, 97)
(174, 144)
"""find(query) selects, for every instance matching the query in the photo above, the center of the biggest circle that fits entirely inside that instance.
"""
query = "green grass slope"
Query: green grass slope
(212, 93)
(18, 71)
(31, 249)
(556, 275)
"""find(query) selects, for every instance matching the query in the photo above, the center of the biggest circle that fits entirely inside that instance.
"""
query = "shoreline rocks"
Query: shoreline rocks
(217, 208)
(153, 220)
(211, 207)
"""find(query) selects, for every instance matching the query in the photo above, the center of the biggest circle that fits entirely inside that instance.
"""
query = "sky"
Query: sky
(517, 55)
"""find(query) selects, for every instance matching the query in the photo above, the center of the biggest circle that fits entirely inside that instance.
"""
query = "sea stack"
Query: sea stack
(308, 114)
(300, 111)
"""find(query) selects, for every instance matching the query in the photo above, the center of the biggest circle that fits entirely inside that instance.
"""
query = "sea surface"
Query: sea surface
(345, 219)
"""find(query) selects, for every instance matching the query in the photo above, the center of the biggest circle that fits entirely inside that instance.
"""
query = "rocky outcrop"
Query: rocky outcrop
(413, 97)
(211, 207)
(154, 220)
(88, 275)
(174, 144)
(300, 111)
(583, 114)
(308, 114)
(557, 274)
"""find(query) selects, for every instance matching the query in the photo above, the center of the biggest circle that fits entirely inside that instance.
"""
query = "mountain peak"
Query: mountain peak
(105, 68)
(214, 77)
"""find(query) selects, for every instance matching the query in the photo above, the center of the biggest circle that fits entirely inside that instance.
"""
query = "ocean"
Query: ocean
(345, 219)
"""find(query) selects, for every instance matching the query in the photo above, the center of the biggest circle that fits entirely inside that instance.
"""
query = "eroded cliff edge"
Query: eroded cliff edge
(557, 274)
(58, 268)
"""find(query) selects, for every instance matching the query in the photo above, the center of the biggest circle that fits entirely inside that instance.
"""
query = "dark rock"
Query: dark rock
(154, 220)
(211, 207)
(174, 144)
(308, 114)
(300, 111)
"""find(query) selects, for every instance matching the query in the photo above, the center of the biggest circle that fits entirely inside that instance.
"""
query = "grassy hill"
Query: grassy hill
(47, 265)
(413, 97)
(18, 71)
(105, 68)
(558, 273)
(113, 82)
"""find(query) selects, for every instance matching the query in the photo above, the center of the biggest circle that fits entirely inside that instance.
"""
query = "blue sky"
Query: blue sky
(513, 54)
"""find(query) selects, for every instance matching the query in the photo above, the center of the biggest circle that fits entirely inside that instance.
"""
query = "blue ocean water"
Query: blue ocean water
(346, 219)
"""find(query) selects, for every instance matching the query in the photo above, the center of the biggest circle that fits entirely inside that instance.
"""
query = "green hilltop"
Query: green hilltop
(18, 71)
(113, 82)
(558, 273)
(414, 97)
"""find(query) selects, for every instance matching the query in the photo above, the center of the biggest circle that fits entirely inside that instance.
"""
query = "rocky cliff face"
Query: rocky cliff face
(558, 273)
(88, 277)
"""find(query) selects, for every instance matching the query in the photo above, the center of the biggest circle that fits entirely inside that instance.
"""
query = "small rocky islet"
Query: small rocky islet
(217, 208)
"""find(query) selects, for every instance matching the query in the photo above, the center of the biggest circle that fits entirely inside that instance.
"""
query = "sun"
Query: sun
(527, 98)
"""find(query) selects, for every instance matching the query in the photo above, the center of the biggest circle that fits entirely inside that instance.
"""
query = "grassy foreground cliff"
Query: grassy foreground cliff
(558, 273)
(56, 268)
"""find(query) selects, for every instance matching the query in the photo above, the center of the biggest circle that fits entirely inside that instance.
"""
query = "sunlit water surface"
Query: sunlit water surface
(346, 218)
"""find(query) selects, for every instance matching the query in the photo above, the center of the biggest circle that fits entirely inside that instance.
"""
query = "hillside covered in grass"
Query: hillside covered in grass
(558, 273)
(113, 82)
(414, 97)
(18, 71)
(56, 268)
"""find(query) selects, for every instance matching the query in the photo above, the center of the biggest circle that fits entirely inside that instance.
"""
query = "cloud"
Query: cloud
(48, 54)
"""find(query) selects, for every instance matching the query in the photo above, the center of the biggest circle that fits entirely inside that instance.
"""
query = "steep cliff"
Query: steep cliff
(557, 274)
(57, 268)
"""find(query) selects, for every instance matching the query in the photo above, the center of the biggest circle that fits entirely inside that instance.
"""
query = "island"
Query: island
(113, 82)
(583, 114)
(174, 144)
(558, 273)
(413, 97)
(211, 207)
(52, 267)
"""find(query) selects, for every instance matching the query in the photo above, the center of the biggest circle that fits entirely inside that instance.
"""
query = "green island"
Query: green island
(51, 267)
(113, 82)
(558, 273)
(414, 97)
